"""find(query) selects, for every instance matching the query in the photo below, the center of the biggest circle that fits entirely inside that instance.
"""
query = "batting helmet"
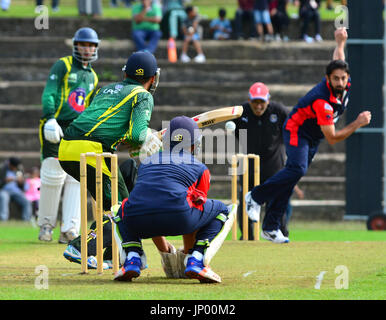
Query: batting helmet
(85, 35)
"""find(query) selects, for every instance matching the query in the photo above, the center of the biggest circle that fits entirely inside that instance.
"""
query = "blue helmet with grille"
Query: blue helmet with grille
(85, 35)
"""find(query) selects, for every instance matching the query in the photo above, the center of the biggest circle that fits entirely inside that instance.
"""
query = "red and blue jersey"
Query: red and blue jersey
(317, 108)
(168, 182)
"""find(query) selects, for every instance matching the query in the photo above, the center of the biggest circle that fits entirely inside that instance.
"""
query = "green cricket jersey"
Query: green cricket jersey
(68, 91)
(119, 113)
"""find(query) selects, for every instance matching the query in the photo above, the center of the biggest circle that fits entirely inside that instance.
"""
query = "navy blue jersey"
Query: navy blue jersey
(318, 107)
(167, 184)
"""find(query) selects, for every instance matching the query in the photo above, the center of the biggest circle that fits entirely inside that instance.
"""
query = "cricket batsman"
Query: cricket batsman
(168, 199)
(70, 87)
(119, 114)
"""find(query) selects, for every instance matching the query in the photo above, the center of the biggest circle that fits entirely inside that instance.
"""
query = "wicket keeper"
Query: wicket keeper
(168, 199)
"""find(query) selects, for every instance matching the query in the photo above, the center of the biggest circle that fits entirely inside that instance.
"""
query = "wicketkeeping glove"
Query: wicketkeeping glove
(52, 131)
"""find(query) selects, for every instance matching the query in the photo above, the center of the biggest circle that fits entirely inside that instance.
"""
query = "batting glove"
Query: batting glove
(52, 131)
(151, 145)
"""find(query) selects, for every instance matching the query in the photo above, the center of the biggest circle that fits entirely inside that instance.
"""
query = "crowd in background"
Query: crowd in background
(266, 20)
(19, 187)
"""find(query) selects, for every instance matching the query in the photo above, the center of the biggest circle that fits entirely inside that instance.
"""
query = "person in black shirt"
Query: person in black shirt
(263, 119)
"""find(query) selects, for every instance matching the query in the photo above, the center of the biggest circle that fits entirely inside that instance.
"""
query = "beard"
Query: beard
(338, 91)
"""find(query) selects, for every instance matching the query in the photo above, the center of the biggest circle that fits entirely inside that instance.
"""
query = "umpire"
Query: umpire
(263, 119)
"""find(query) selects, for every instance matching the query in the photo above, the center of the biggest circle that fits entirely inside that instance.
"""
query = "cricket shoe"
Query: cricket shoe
(200, 58)
(195, 269)
(185, 58)
(131, 268)
(45, 233)
(92, 263)
(66, 237)
(276, 236)
(73, 255)
(253, 208)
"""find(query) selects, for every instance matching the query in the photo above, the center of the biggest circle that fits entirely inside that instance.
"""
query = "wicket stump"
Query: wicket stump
(99, 207)
(245, 158)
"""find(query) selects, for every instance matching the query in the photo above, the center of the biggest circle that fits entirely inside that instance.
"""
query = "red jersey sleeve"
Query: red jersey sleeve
(198, 193)
(324, 112)
(204, 183)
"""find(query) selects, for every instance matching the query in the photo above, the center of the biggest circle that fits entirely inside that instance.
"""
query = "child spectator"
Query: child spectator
(191, 34)
(221, 27)
(33, 189)
(261, 12)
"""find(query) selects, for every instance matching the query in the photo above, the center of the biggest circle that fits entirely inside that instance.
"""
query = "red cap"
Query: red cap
(259, 91)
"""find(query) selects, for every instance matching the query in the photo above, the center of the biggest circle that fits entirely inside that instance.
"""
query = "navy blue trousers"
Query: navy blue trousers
(134, 228)
(277, 190)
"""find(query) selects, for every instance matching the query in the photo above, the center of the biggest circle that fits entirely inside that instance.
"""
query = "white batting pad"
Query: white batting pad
(217, 242)
(71, 205)
(52, 178)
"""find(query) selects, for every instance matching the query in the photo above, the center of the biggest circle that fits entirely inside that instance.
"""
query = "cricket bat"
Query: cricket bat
(214, 116)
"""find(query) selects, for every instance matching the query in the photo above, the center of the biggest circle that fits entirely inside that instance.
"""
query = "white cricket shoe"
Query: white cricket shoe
(253, 208)
(66, 237)
(200, 58)
(45, 233)
(308, 39)
(318, 38)
(276, 236)
(184, 58)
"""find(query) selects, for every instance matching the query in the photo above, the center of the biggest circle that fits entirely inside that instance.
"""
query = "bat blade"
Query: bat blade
(214, 116)
(218, 115)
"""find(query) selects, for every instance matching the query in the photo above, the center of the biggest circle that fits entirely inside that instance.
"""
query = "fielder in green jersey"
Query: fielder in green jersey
(70, 87)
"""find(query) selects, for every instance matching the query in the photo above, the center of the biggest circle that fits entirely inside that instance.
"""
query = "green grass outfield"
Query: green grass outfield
(68, 8)
(250, 270)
